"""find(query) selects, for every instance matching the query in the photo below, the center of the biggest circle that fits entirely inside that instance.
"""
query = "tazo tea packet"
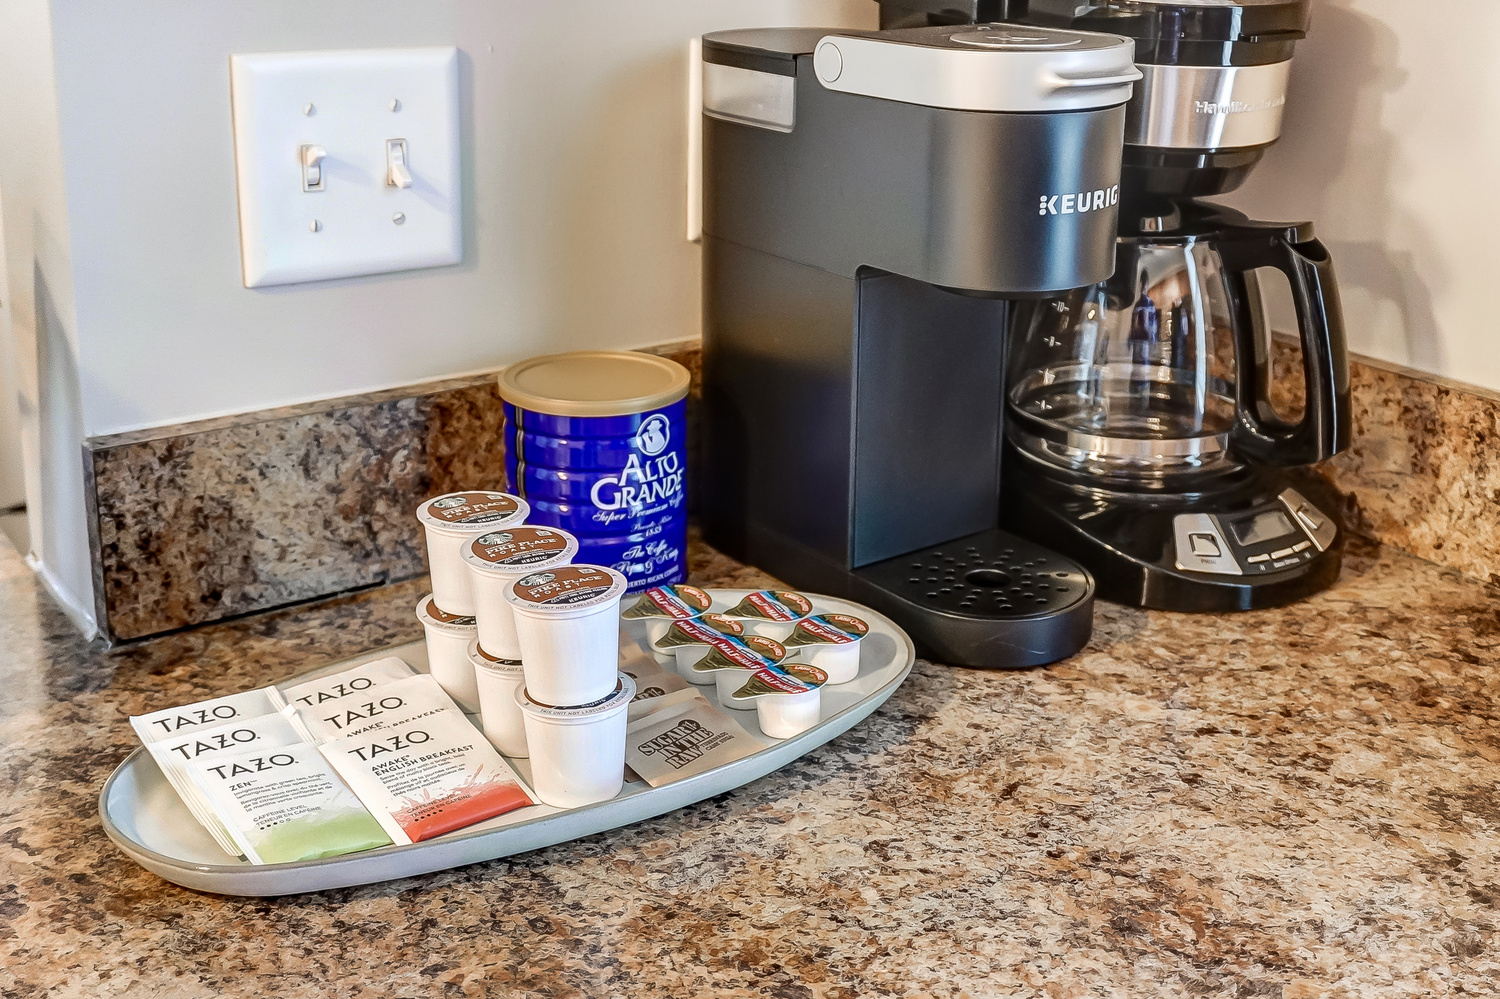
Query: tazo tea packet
(284, 805)
(387, 704)
(159, 725)
(681, 734)
(672, 603)
(175, 753)
(313, 695)
(428, 776)
(772, 605)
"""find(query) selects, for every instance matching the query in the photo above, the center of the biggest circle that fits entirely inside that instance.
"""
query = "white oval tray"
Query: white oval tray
(146, 819)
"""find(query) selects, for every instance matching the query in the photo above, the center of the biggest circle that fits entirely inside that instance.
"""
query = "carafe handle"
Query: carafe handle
(1259, 435)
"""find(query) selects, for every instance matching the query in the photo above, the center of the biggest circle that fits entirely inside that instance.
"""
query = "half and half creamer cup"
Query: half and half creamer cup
(568, 627)
(771, 612)
(730, 659)
(787, 698)
(690, 640)
(831, 643)
(448, 638)
(499, 714)
(659, 606)
(577, 753)
(451, 520)
(495, 560)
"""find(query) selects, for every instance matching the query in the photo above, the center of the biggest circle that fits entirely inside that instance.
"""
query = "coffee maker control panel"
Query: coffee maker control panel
(1253, 542)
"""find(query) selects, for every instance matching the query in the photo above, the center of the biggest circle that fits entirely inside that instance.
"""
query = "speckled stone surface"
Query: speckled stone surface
(1290, 803)
(208, 520)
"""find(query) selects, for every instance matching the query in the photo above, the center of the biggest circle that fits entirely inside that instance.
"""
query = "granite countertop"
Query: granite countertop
(1292, 803)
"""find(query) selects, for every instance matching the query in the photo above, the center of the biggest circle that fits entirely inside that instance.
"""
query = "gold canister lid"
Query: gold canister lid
(594, 383)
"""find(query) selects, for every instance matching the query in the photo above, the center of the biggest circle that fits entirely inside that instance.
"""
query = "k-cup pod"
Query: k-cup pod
(577, 753)
(659, 606)
(568, 627)
(730, 658)
(787, 698)
(770, 612)
(499, 681)
(496, 559)
(831, 643)
(691, 640)
(451, 520)
(448, 638)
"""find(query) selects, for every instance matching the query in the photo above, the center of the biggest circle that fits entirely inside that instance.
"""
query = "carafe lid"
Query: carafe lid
(1187, 32)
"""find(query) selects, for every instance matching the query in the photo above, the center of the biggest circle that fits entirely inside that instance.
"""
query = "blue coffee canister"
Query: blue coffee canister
(595, 441)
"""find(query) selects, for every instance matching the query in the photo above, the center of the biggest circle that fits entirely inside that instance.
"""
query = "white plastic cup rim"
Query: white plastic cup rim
(502, 667)
(509, 570)
(563, 612)
(446, 627)
(458, 530)
(582, 714)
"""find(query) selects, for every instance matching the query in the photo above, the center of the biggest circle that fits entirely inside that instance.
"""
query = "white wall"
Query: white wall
(122, 233)
(1390, 146)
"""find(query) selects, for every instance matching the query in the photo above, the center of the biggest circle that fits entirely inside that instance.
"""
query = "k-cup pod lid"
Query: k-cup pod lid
(702, 630)
(676, 602)
(594, 383)
(566, 588)
(772, 605)
(473, 512)
(483, 660)
(615, 700)
(775, 681)
(520, 549)
(826, 629)
(751, 653)
(433, 616)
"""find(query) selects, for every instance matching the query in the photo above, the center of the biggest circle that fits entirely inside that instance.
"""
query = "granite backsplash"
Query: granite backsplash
(202, 521)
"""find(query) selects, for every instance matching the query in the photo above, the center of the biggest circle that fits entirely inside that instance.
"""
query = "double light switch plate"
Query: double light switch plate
(347, 162)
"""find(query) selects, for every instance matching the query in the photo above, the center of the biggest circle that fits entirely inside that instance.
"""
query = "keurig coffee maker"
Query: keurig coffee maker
(1143, 438)
(873, 201)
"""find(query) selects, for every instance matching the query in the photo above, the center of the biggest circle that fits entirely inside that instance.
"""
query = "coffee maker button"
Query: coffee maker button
(1282, 552)
(1205, 544)
(1301, 546)
(1258, 558)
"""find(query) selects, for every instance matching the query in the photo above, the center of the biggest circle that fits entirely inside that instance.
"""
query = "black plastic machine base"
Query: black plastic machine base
(989, 600)
(1127, 541)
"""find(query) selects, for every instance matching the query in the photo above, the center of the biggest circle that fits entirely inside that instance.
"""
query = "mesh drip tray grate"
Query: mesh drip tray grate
(987, 576)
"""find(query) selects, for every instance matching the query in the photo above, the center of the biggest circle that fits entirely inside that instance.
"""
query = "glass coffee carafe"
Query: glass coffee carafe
(1162, 373)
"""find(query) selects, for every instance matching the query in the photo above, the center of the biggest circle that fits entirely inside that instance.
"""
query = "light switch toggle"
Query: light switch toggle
(396, 172)
(312, 167)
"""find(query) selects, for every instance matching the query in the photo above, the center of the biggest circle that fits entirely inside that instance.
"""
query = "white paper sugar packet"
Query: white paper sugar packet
(175, 753)
(681, 734)
(387, 704)
(159, 725)
(285, 805)
(322, 695)
(428, 776)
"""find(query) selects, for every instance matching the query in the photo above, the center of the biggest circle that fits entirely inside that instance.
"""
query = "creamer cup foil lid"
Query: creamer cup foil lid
(614, 700)
(676, 602)
(473, 512)
(750, 653)
(826, 629)
(483, 660)
(772, 605)
(518, 549)
(792, 678)
(567, 588)
(704, 630)
(433, 616)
